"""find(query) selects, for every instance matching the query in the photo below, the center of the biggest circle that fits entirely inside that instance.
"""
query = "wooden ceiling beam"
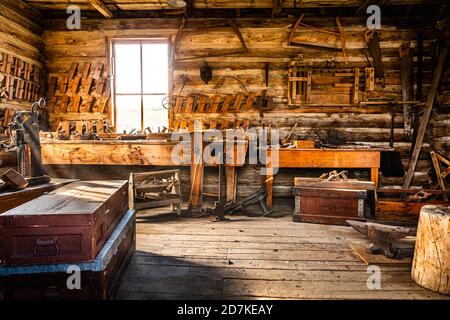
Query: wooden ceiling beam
(102, 8)
(363, 7)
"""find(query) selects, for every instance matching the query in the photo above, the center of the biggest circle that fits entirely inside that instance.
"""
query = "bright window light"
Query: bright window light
(141, 83)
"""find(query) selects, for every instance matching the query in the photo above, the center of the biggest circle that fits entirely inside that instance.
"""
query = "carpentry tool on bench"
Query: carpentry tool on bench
(12, 179)
(382, 237)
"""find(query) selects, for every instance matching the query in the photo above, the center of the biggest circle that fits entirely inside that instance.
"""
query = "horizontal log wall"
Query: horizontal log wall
(20, 37)
(266, 40)
(440, 118)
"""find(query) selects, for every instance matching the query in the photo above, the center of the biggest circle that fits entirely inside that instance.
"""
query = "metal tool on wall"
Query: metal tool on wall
(206, 73)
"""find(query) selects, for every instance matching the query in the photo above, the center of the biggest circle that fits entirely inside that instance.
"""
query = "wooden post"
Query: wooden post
(374, 176)
(131, 191)
(426, 116)
(231, 178)
(431, 264)
(195, 198)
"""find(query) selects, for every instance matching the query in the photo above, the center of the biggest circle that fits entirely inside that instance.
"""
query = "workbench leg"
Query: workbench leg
(195, 198)
(268, 184)
(231, 178)
(374, 176)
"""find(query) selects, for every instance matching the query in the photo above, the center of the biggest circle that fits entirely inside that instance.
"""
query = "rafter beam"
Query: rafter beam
(102, 8)
(363, 7)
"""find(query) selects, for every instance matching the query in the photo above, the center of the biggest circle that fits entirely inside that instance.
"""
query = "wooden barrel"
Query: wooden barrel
(431, 263)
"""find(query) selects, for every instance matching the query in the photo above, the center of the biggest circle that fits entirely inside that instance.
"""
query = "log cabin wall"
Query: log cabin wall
(21, 58)
(267, 43)
(440, 120)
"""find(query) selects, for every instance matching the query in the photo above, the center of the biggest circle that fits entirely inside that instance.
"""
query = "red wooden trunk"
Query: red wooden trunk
(329, 206)
(95, 285)
(70, 224)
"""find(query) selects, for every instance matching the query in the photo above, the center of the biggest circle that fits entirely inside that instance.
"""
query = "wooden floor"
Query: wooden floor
(255, 258)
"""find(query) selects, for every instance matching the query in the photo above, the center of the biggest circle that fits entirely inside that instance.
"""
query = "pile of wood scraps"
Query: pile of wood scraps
(84, 88)
(20, 79)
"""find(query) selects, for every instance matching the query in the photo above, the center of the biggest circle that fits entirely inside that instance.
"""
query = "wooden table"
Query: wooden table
(12, 199)
(322, 158)
(139, 152)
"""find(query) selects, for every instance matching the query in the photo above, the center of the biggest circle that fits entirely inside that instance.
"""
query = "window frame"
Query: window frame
(140, 41)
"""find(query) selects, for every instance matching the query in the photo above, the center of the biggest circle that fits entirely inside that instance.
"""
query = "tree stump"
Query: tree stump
(431, 263)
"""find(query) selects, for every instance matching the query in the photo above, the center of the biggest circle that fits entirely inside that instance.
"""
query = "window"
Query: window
(141, 82)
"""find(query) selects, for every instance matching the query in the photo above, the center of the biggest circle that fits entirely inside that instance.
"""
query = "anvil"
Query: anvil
(382, 236)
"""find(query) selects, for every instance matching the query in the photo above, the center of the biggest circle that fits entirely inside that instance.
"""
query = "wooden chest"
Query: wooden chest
(99, 279)
(12, 199)
(332, 202)
(70, 224)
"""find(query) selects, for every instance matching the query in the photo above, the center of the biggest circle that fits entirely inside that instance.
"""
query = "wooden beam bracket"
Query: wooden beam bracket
(102, 8)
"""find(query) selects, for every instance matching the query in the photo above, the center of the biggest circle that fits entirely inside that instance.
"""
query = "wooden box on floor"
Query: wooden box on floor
(70, 224)
(332, 202)
(100, 279)
(166, 190)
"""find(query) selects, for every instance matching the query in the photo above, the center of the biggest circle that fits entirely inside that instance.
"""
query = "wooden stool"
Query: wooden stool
(431, 264)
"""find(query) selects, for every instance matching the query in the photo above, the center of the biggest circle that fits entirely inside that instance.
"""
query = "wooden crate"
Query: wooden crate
(141, 183)
(332, 202)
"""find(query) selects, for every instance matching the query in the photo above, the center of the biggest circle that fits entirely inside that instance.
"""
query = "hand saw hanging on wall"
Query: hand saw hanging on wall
(373, 45)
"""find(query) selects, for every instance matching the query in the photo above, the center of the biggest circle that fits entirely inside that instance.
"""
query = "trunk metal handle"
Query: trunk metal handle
(40, 244)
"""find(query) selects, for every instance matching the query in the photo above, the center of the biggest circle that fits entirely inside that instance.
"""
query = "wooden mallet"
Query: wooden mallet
(13, 180)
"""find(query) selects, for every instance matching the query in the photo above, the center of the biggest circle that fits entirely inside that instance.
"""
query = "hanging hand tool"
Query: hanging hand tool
(373, 46)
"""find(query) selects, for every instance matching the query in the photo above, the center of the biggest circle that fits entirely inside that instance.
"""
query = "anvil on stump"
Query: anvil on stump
(382, 237)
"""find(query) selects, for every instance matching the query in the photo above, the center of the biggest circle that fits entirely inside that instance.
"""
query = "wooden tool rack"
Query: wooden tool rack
(328, 87)
(165, 185)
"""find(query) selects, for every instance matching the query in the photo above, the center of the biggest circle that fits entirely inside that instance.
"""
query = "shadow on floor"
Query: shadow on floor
(153, 276)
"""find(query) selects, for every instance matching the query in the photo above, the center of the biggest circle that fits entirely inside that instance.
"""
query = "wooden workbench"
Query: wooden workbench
(139, 152)
(322, 158)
